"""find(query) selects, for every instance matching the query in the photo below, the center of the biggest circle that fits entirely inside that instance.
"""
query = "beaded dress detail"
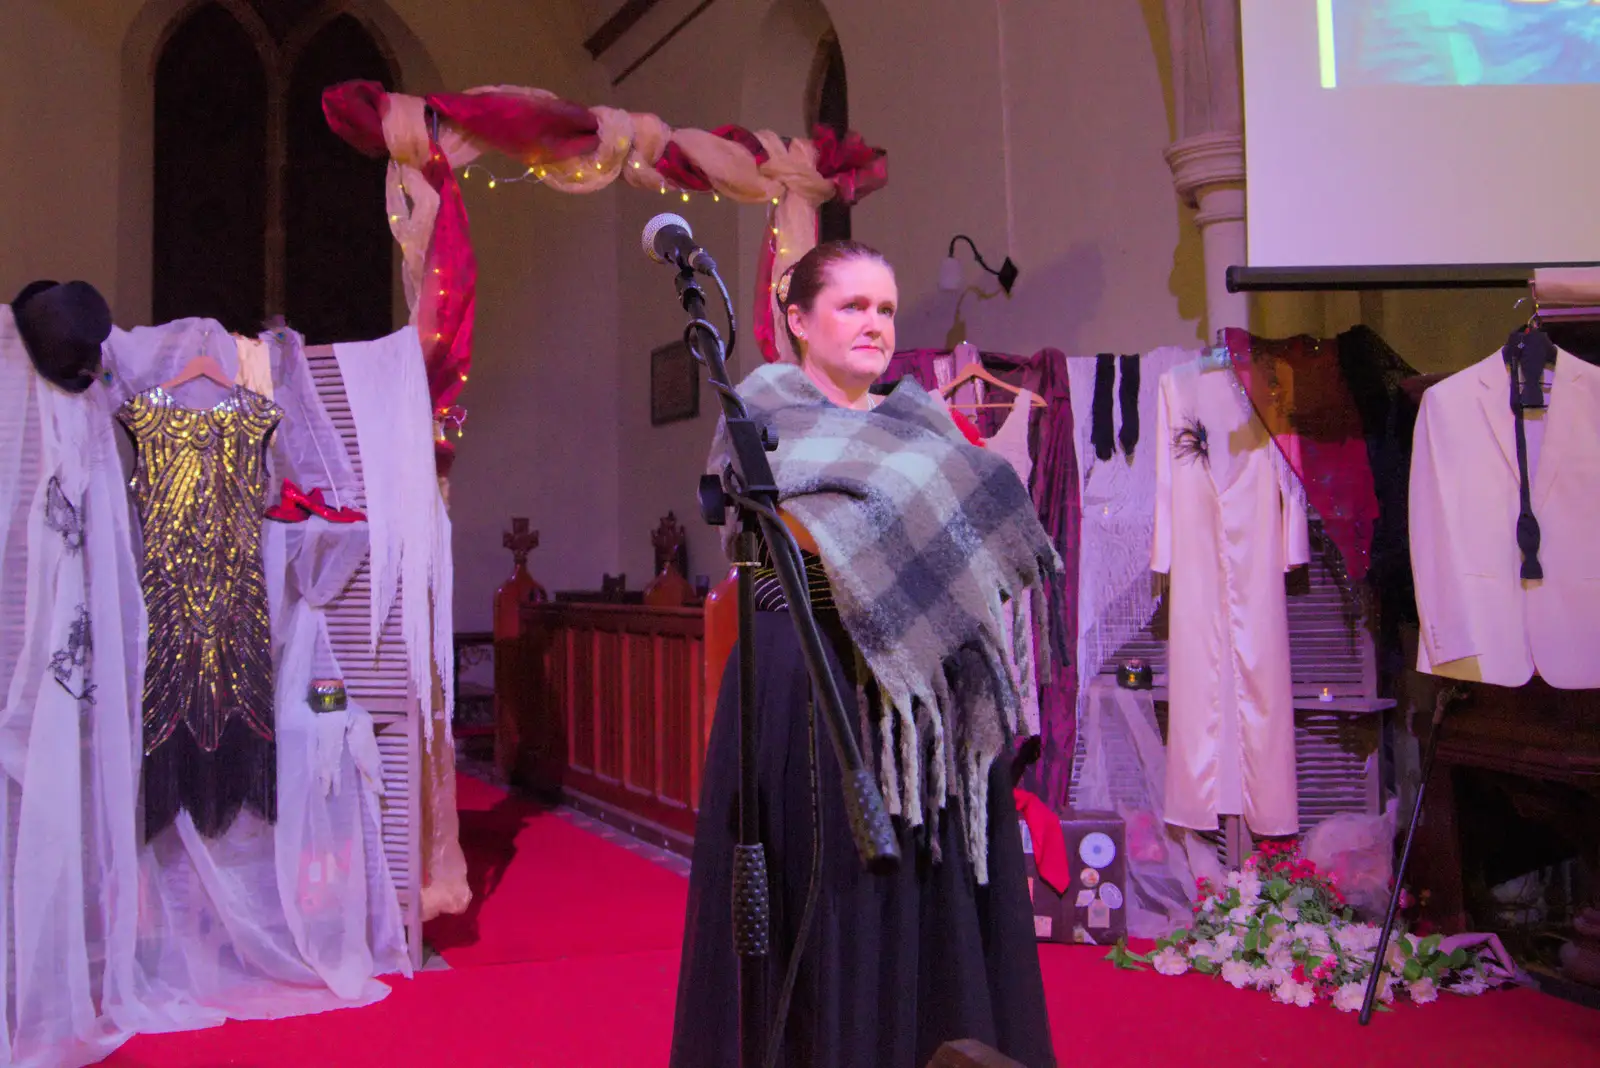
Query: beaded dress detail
(199, 480)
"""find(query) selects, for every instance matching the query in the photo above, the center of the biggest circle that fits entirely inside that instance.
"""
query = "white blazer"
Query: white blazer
(1480, 620)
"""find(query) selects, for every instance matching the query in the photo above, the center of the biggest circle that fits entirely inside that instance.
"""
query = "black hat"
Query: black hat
(63, 326)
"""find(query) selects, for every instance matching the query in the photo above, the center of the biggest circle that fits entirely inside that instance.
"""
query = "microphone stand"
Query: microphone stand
(750, 488)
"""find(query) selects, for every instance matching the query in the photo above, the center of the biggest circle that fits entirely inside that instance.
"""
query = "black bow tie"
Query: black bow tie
(1526, 354)
(1530, 351)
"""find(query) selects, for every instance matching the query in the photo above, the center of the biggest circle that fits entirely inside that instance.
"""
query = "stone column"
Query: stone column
(1207, 159)
(1208, 171)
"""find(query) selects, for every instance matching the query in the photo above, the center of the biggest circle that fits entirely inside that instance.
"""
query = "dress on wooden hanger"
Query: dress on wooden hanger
(199, 481)
(1228, 525)
(1011, 442)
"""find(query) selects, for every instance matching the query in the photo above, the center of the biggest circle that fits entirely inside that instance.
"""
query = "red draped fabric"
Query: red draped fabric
(1296, 387)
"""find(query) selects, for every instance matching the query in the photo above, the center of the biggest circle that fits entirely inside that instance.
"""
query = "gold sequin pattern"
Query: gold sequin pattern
(199, 481)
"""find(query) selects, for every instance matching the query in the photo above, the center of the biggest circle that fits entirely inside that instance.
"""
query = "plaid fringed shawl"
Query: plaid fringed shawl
(928, 544)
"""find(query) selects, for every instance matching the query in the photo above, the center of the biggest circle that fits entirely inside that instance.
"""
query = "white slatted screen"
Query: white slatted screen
(382, 685)
(1335, 742)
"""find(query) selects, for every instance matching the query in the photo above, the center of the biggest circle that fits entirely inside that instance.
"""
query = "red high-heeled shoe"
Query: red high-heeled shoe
(290, 507)
(321, 507)
(296, 506)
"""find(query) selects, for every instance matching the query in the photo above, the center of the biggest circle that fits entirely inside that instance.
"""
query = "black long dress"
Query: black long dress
(894, 966)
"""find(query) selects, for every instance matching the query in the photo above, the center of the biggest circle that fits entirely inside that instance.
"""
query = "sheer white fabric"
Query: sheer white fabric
(296, 917)
(69, 726)
(386, 383)
(1124, 771)
(1116, 595)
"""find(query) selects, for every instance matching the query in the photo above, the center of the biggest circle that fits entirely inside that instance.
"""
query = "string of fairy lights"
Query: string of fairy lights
(539, 176)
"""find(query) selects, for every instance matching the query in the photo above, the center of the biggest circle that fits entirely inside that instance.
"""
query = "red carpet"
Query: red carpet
(1102, 1015)
(543, 889)
(569, 958)
(594, 1012)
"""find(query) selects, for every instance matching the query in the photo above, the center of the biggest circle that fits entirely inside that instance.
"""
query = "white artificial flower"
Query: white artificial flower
(1237, 974)
(1348, 998)
(1471, 985)
(1394, 960)
(1290, 913)
(1314, 936)
(1267, 977)
(1228, 943)
(1249, 889)
(1292, 993)
(1357, 937)
(1241, 914)
(1232, 881)
(1170, 961)
(1206, 951)
(1281, 958)
(1422, 991)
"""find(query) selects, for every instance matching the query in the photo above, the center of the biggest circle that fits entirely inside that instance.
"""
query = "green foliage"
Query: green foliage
(1125, 958)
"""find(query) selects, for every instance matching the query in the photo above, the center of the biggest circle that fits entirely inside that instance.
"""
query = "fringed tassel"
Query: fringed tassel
(864, 709)
(976, 801)
(910, 763)
(888, 772)
(1042, 660)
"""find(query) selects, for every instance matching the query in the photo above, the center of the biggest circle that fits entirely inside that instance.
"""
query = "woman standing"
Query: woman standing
(915, 546)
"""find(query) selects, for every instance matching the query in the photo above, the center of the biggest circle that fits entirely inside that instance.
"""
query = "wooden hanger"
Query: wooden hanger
(202, 366)
(1216, 357)
(975, 370)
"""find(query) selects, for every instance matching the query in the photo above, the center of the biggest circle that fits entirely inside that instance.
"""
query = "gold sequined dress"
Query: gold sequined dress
(199, 481)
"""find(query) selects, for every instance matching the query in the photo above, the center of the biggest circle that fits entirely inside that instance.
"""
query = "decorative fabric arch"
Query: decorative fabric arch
(576, 150)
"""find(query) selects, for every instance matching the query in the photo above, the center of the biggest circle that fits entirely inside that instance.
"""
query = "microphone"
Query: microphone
(668, 239)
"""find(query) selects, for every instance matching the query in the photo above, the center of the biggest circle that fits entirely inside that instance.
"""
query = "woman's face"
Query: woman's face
(848, 335)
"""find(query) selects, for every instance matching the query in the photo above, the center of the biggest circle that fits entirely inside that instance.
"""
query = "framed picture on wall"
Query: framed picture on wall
(674, 384)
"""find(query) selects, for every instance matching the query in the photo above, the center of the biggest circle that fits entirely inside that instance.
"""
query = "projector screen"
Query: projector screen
(1399, 132)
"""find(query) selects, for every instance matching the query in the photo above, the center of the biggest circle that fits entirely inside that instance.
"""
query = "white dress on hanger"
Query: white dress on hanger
(1228, 525)
(1011, 442)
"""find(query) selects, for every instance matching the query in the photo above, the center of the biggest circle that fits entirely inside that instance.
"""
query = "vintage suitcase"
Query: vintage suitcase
(1093, 911)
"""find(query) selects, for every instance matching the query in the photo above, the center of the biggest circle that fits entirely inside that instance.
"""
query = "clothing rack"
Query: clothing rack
(1551, 315)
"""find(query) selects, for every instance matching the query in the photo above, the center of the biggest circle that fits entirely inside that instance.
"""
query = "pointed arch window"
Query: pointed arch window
(830, 107)
(259, 210)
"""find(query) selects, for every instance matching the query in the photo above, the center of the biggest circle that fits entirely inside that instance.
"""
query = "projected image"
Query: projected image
(1459, 42)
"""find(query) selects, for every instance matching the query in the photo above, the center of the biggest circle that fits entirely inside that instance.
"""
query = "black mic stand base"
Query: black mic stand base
(1446, 697)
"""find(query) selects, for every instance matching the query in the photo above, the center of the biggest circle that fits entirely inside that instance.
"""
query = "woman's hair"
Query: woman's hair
(801, 283)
